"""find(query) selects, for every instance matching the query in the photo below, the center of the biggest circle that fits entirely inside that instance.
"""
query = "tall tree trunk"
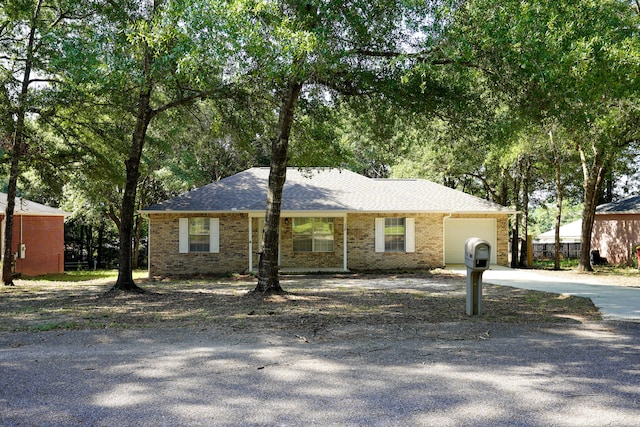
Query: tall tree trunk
(515, 240)
(135, 258)
(89, 247)
(559, 198)
(524, 250)
(503, 195)
(145, 114)
(268, 277)
(593, 176)
(135, 261)
(101, 245)
(81, 242)
(14, 172)
(18, 148)
(515, 228)
(606, 195)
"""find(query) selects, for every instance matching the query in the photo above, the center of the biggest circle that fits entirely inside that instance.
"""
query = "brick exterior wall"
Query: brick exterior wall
(502, 229)
(43, 237)
(361, 244)
(165, 259)
(616, 236)
(429, 241)
(311, 260)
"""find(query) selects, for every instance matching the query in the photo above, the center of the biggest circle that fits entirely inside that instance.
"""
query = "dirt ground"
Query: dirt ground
(318, 307)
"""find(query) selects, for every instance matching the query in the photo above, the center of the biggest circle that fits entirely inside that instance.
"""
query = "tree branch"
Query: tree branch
(45, 81)
(182, 101)
(114, 216)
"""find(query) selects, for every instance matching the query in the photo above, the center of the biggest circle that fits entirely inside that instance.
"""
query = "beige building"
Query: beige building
(331, 220)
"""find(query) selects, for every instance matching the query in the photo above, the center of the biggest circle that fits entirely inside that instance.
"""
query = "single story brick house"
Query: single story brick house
(616, 230)
(331, 220)
(38, 237)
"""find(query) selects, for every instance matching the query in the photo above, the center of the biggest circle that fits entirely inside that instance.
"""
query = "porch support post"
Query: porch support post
(250, 244)
(344, 243)
(148, 249)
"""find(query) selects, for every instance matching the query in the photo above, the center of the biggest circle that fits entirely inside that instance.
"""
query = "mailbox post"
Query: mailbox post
(477, 255)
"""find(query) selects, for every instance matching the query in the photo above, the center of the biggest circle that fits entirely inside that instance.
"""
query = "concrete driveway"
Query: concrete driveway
(615, 302)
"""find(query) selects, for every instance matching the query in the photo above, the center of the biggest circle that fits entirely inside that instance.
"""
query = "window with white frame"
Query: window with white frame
(199, 234)
(313, 234)
(395, 234)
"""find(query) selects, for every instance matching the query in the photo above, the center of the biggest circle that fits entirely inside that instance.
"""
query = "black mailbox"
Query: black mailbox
(477, 254)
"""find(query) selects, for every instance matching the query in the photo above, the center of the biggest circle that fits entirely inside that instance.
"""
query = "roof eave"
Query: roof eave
(51, 214)
(327, 212)
(618, 213)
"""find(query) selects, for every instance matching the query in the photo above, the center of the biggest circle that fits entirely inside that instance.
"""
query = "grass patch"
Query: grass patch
(86, 275)
(616, 270)
(565, 264)
(607, 270)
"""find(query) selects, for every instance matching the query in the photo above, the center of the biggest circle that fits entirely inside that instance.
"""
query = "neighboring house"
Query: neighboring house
(38, 237)
(570, 238)
(569, 233)
(616, 230)
(331, 220)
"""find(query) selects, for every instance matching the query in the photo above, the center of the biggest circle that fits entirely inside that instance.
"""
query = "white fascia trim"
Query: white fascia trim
(201, 212)
(401, 212)
(326, 213)
(149, 251)
(303, 214)
(344, 244)
(250, 245)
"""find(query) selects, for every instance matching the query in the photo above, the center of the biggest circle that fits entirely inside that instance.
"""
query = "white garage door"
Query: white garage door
(458, 230)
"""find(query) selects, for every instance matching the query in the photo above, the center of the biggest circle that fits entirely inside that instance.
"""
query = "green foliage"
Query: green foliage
(374, 134)
(542, 218)
(463, 93)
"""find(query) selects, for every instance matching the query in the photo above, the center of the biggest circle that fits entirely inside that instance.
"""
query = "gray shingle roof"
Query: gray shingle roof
(27, 207)
(628, 205)
(327, 189)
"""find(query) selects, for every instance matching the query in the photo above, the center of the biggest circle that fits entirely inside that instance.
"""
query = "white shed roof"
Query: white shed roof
(569, 233)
